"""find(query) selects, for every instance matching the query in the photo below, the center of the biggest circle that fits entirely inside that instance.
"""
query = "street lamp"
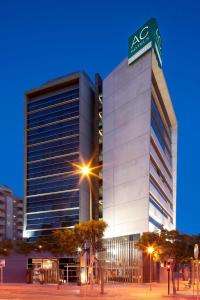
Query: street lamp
(150, 250)
(86, 172)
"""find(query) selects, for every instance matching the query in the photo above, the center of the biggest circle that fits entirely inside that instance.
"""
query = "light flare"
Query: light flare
(86, 170)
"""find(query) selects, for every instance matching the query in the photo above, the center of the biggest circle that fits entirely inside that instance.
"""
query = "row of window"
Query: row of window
(52, 164)
(158, 207)
(56, 187)
(61, 219)
(162, 177)
(54, 114)
(155, 223)
(52, 214)
(53, 179)
(160, 139)
(50, 170)
(165, 132)
(44, 206)
(54, 134)
(54, 161)
(72, 113)
(52, 100)
(38, 233)
(51, 150)
(60, 142)
(66, 152)
(160, 159)
(50, 183)
(59, 197)
(70, 222)
(161, 192)
(41, 131)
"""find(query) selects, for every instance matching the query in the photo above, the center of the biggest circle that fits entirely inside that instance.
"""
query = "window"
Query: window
(52, 100)
(158, 207)
(155, 223)
(161, 133)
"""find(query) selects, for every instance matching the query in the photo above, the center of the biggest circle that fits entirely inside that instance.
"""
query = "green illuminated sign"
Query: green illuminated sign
(148, 36)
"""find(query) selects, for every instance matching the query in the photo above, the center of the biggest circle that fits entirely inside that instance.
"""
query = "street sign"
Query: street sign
(196, 251)
(2, 263)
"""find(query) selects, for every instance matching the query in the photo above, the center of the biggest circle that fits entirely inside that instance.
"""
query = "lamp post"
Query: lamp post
(150, 250)
(86, 172)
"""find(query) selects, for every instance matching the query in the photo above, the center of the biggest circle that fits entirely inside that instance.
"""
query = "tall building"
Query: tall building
(11, 215)
(59, 133)
(139, 141)
(126, 123)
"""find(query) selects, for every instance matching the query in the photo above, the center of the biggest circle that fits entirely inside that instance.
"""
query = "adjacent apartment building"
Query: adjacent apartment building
(11, 215)
(126, 124)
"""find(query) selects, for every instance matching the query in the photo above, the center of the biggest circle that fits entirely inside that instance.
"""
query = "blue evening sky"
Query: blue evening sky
(41, 40)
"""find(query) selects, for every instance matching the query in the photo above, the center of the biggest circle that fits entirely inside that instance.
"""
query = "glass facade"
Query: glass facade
(52, 137)
(160, 175)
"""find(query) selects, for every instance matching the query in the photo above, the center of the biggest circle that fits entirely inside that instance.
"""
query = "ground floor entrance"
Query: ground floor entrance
(52, 270)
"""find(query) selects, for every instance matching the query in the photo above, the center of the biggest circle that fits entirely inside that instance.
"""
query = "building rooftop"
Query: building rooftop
(59, 81)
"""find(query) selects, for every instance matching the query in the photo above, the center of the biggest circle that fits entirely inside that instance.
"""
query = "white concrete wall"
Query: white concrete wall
(126, 147)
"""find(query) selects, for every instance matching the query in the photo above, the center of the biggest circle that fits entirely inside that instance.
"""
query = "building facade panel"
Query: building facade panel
(139, 149)
(126, 147)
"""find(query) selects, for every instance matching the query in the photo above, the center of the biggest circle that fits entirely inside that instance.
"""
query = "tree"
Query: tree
(63, 242)
(90, 234)
(169, 245)
(6, 247)
(24, 248)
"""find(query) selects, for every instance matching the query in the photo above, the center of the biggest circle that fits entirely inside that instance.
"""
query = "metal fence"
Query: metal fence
(118, 259)
(121, 260)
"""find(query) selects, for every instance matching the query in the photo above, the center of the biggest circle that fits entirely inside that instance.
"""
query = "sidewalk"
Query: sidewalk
(74, 292)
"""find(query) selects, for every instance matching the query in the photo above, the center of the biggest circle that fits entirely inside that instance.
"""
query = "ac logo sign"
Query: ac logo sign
(148, 36)
(142, 35)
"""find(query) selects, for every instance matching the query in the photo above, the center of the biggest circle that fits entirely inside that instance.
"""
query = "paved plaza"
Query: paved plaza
(114, 291)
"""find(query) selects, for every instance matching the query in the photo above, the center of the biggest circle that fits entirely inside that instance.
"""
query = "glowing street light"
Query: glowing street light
(150, 250)
(85, 170)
